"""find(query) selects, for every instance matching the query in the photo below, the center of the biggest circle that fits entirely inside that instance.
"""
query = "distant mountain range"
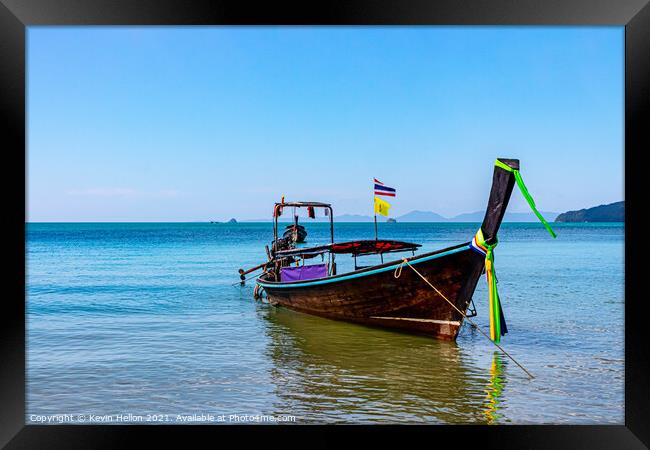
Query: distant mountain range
(425, 216)
(428, 216)
(613, 212)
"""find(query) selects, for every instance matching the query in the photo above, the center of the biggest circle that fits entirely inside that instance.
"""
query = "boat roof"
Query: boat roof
(356, 248)
(299, 204)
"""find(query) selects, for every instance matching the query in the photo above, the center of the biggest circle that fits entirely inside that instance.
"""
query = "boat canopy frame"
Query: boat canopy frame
(277, 212)
(355, 248)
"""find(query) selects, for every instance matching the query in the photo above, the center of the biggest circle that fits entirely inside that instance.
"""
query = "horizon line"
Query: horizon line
(267, 222)
(321, 218)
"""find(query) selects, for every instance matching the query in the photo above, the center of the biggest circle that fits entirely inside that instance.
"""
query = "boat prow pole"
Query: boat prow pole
(502, 184)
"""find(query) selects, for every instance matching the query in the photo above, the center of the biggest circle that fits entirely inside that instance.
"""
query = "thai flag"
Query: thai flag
(381, 189)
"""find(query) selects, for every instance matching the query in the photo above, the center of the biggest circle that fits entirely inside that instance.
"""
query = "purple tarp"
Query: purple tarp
(303, 273)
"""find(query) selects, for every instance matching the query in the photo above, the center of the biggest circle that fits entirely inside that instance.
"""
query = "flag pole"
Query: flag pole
(374, 209)
(375, 225)
(381, 255)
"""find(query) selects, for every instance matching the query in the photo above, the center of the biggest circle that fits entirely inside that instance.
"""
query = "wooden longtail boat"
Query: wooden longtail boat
(373, 295)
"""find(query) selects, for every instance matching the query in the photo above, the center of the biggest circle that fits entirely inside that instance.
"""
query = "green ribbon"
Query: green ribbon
(527, 196)
(493, 292)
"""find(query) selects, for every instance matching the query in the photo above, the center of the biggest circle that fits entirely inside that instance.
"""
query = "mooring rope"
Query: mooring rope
(398, 272)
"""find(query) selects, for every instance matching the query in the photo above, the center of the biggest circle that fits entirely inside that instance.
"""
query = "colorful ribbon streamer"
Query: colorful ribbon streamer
(526, 194)
(479, 245)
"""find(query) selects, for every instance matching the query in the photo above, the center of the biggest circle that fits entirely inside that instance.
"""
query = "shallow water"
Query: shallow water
(143, 319)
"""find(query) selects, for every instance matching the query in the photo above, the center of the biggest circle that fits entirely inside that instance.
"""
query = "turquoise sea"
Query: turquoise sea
(131, 323)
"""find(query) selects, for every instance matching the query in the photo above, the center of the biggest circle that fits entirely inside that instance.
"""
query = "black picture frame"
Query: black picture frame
(16, 15)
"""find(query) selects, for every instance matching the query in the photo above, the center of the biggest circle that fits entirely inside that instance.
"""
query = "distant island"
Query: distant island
(391, 220)
(614, 212)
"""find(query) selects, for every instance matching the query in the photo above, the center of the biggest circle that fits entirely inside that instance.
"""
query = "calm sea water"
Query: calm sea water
(143, 319)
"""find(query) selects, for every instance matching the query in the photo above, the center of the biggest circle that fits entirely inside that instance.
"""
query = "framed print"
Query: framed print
(253, 222)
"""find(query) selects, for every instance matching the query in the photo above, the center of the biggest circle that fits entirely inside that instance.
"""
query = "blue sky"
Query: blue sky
(208, 123)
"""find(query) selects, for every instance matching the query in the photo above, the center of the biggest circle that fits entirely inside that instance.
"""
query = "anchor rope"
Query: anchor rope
(398, 274)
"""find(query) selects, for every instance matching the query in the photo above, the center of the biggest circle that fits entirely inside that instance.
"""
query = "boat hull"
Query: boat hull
(375, 296)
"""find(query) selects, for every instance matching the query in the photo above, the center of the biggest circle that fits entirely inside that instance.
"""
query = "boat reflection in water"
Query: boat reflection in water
(328, 371)
(495, 389)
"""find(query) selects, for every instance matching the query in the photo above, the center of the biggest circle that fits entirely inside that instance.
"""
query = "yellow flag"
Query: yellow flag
(381, 206)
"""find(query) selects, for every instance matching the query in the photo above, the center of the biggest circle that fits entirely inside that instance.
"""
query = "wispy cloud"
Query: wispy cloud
(123, 192)
(168, 193)
(103, 192)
